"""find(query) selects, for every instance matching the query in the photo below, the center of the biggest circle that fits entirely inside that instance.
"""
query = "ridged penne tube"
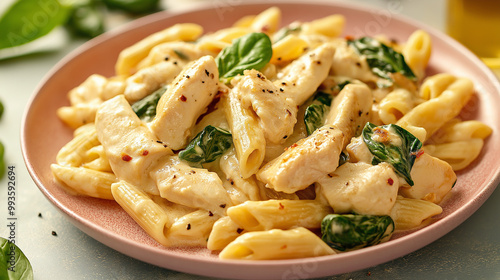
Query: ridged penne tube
(248, 137)
(304, 162)
(267, 21)
(131, 56)
(409, 213)
(192, 229)
(223, 232)
(458, 154)
(145, 212)
(85, 181)
(74, 153)
(172, 51)
(457, 130)
(98, 159)
(278, 214)
(417, 52)
(395, 105)
(276, 244)
(287, 49)
(331, 26)
(433, 114)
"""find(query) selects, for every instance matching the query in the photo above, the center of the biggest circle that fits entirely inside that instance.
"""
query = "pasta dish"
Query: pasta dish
(260, 141)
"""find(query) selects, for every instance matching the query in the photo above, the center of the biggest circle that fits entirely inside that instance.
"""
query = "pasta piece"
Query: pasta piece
(91, 89)
(223, 232)
(432, 114)
(300, 79)
(458, 154)
(220, 39)
(131, 148)
(305, 161)
(74, 153)
(131, 56)
(278, 214)
(395, 105)
(267, 21)
(409, 213)
(145, 212)
(184, 101)
(276, 244)
(276, 114)
(456, 130)
(435, 85)
(97, 159)
(248, 137)
(247, 186)
(85, 181)
(432, 177)
(179, 52)
(192, 229)
(331, 26)
(417, 52)
(192, 187)
(78, 115)
(288, 49)
(361, 188)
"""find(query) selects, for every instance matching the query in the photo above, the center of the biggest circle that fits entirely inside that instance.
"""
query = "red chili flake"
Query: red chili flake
(145, 152)
(281, 206)
(126, 157)
(390, 181)
(283, 247)
(349, 37)
(183, 98)
(418, 153)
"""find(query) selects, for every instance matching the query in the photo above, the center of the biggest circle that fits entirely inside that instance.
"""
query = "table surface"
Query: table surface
(471, 251)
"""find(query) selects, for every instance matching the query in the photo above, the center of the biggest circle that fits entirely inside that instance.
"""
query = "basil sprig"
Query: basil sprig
(13, 263)
(315, 113)
(350, 231)
(207, 146)
(381, 58)
(394, 145)
(251, 51)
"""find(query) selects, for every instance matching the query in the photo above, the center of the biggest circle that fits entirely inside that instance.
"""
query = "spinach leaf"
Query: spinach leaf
(285, 31)
(86, 19)
(134, 6)
(351, 231)
(145, 108)
(251, 51)
(315, 114)
(14, 264)
(27, 20)
(394, 145)
(381, 58)
(207, 146)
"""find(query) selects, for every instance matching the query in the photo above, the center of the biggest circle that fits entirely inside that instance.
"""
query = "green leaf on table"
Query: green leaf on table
(381, 58)
(207, 146)
(86, 18)
(14, 265)
(394, 145)
(251, 51)
(27, 20)
(134, 6)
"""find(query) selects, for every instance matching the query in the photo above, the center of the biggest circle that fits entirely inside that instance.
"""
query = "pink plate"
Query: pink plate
(43, 134)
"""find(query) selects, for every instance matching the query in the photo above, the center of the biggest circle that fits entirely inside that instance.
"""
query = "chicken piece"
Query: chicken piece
(184, 101)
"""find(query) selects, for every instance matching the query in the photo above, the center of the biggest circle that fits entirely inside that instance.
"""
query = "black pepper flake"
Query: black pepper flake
(175, 62)
(258, 75)
(167, 58)
(202, 82)
(358, 64)
(282, 90)
(283, 83)
(207, 73)
(263, 90)
(318, 62)
(360, 113)
(187, 77)
(222, 205)
(188, 226)
(239, 230)
(39, 215)
(286, 136)
(210, 213)
(54, 233)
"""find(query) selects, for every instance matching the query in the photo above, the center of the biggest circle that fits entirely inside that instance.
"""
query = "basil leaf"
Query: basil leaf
(251, 51)
(381, 58)
(27, 20)
(207, 146)
(285, 31)
(14, 264)
(134, 6)
(86, 19)
(315, 114)
(145, 108)
(394, 145)
(351, 231)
